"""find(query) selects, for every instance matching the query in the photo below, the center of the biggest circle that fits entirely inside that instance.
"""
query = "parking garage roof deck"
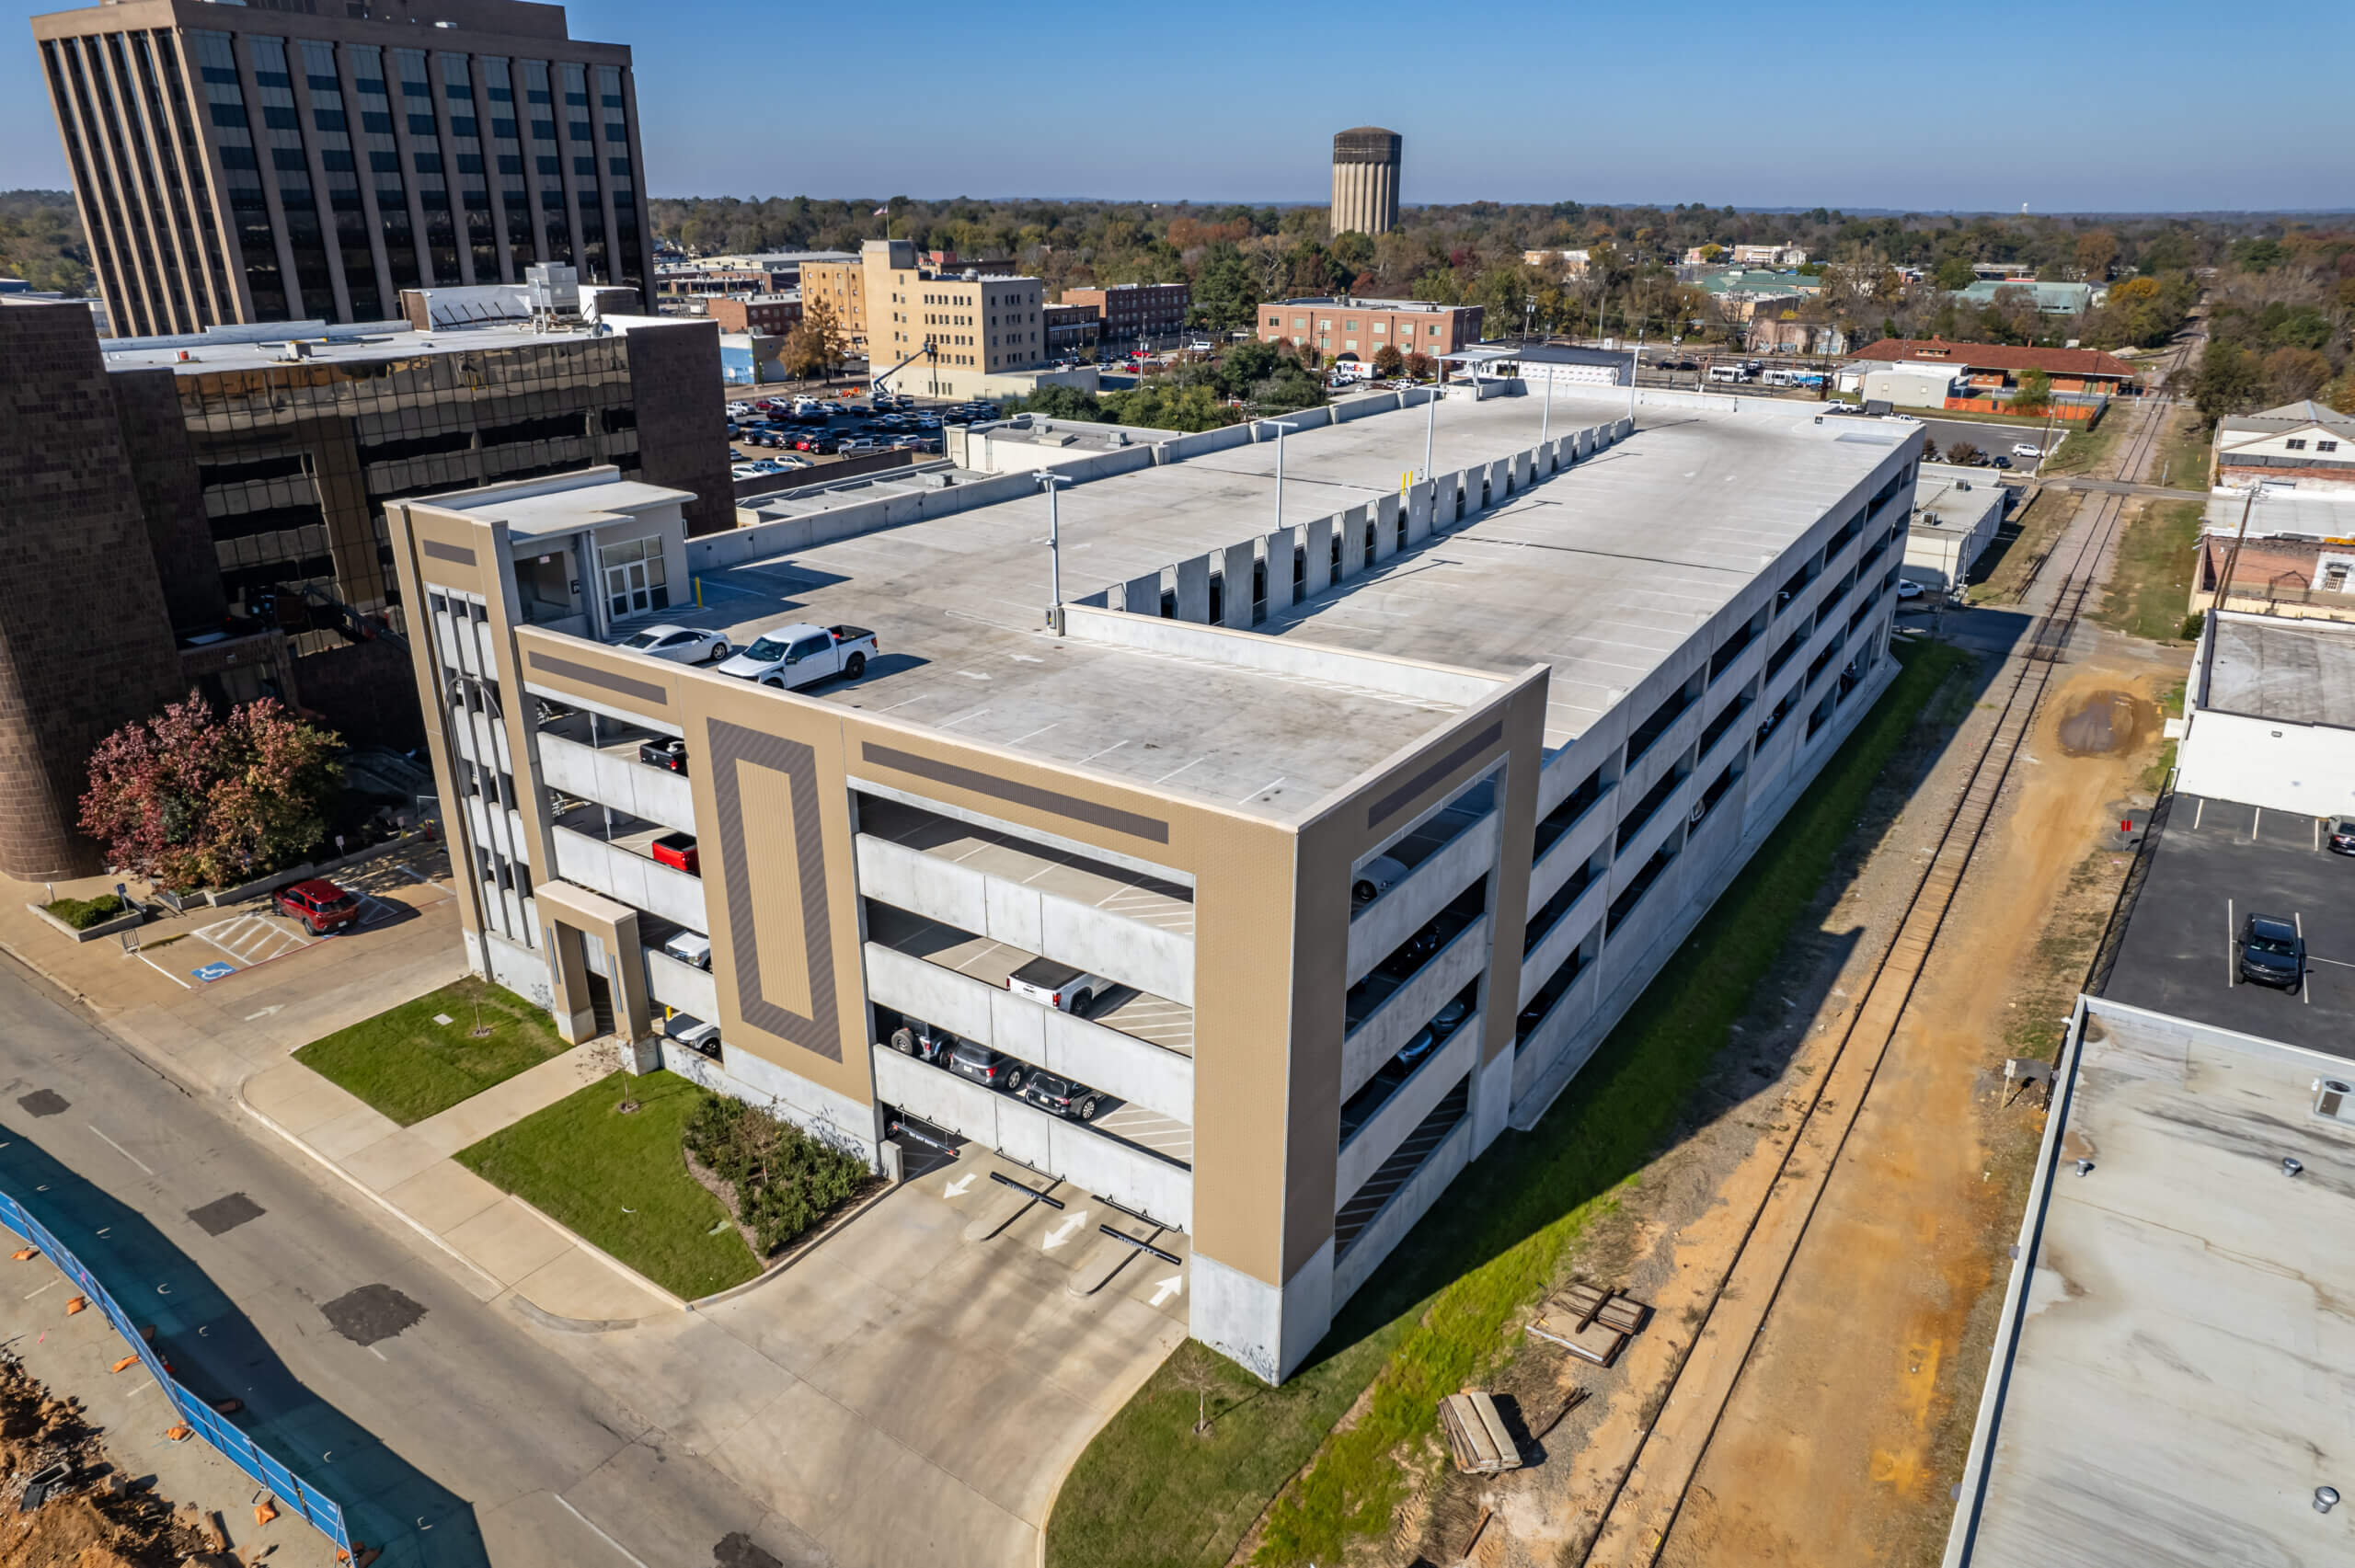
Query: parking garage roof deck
(1600, 571)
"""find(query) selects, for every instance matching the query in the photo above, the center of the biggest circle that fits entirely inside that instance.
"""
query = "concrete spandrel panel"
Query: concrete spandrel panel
(1012, 914)
(1319, 576)
(1026, 1134)
(1384, 516)
(1351, 524)
(1418, 512)
(1194, 589)
(1282, 556)
(1234, 601)
(1142, 596)
(1018, 1027)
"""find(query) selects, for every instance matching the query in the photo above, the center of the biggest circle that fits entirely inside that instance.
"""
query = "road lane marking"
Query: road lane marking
(118, 1148)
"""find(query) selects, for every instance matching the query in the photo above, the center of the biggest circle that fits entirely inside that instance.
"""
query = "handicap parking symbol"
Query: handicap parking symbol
(216, 970)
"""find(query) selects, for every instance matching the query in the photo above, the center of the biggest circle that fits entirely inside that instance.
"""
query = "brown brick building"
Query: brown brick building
(86, 637)
(1993, 366)
(772, 316)
(1131, 311)
(1347, 328)
(1071, 328)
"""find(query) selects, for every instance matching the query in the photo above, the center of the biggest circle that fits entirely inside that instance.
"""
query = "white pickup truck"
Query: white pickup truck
(802, 655)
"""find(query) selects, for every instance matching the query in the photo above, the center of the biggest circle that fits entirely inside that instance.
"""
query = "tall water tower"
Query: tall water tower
(1365, 180)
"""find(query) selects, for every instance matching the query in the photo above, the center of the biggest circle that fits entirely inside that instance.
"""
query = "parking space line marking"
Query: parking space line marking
(2199, 809)
(2256, 820)
(601, 1535)
(118, 1148)
(2305, 991)
(2232, 966)
(163, 971)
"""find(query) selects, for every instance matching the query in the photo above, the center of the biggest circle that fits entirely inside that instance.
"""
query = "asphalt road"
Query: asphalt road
(450, 1436)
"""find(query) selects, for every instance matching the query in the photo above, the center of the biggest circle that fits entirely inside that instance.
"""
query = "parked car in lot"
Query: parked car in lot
(2272, 951)
(926, 1042)
(2026, 449)
(668, 753)
(678, 851)
(692, 948)
(320, 905)
(1057, 985)
(2343, 835)
(1908, 588)
(800, 654)
(695, 1034)
(743, 470)
(686, 645)
(1060, 1096)
(971, 1058)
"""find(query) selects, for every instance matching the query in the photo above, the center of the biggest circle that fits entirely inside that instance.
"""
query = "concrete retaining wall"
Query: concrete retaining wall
(1282, 656)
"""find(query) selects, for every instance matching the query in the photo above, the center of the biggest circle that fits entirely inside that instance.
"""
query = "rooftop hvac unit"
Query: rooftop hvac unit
(554, 289)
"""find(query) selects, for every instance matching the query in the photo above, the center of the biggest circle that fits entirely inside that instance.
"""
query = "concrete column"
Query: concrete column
(1319, 576)
(1234, 601)
(1385, 528)
(1352, 526)
(1418, 511)
(1194, 589)
(1283, 549)
(1142, 596)
(1491, 1099)
(574, 1015)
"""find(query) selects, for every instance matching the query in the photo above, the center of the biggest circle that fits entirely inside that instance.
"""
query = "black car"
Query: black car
(2272, 953)
(2343, 835)
(926, 1042)
(670, 754)
(1059, 1095)
(973, 1059)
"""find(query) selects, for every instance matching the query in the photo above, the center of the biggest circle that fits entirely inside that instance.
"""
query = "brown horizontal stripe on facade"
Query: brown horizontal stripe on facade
(589, 675)
(441, 552)
(1038, 799)
(1398, 799)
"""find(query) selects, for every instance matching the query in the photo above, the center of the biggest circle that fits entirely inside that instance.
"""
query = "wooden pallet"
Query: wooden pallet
(1590, 1322)
(1477, 1434)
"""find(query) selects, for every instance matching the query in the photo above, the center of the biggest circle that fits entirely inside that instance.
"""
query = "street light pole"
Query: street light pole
(1054, 550)
(1635, 362)
(1430, 419)
(1545, 419)
(1282, 429)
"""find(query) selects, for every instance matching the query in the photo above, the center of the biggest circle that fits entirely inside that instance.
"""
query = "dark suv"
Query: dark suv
(2343, 835)
(1059, 1095)
(977, 1061)
(2272, 953)
(926, 1042)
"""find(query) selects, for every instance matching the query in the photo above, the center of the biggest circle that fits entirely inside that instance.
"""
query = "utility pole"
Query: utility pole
(1054, 550)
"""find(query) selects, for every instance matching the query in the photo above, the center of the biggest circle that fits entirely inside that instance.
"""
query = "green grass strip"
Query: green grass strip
(619, 1181)
(1147, 1491)
(410, 1067)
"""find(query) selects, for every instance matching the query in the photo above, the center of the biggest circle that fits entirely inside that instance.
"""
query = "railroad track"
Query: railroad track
(1642, 1511)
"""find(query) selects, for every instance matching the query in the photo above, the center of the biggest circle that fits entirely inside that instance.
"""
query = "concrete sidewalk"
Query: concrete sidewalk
(506, 1246)
(233, 1036)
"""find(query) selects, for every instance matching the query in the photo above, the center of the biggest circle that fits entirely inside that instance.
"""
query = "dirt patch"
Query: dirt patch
(95, 1517)
(2106, 723)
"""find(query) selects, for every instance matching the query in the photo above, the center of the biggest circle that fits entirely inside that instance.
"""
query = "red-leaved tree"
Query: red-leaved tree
(191, 799)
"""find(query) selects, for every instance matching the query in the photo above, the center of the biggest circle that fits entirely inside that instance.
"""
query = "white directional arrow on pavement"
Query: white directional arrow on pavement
(1173, 1285)
(264, 1013)
(1066, 1230)
(956, 1188)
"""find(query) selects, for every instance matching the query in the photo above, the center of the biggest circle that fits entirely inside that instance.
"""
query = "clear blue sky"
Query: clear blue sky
(2063, 106)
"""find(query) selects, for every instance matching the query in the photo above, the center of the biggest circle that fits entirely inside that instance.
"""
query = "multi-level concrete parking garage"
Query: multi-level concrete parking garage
(1367, 818)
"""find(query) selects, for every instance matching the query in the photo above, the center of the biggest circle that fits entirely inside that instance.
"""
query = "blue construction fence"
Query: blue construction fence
(323, 1512)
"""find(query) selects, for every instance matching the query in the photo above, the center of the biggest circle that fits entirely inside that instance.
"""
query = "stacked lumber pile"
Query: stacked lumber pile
(1590, 1322)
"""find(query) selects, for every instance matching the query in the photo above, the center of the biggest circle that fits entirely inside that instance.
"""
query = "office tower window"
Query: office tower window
(440, 246)
(289, 167)
(515, 198)
(554, 226)
(159, 58)
(241, 176)
(331, 127)
(595, 263)
(383, 156)
(474, 187)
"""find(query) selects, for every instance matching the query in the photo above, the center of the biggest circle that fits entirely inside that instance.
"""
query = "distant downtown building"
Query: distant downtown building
(1365, 180)
(238, 164)
(1131, 311)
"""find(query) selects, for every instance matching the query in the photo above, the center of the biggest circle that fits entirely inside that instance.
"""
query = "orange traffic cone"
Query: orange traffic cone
(79, 1303)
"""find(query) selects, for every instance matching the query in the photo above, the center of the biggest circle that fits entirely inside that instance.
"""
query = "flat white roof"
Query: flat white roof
(2185, 1354)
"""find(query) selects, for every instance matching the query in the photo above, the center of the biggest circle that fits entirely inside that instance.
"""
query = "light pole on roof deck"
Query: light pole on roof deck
(1054, 550)
(1430, 416)
(1280, 427)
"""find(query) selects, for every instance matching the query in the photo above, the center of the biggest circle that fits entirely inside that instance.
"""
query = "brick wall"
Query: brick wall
(85, 639)
(683, 419)
(163, 468)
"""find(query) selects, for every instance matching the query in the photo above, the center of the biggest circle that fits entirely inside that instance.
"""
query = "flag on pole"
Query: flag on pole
(882, 210)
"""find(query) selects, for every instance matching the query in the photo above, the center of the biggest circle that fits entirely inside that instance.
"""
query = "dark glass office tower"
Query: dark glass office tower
(289, 160)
